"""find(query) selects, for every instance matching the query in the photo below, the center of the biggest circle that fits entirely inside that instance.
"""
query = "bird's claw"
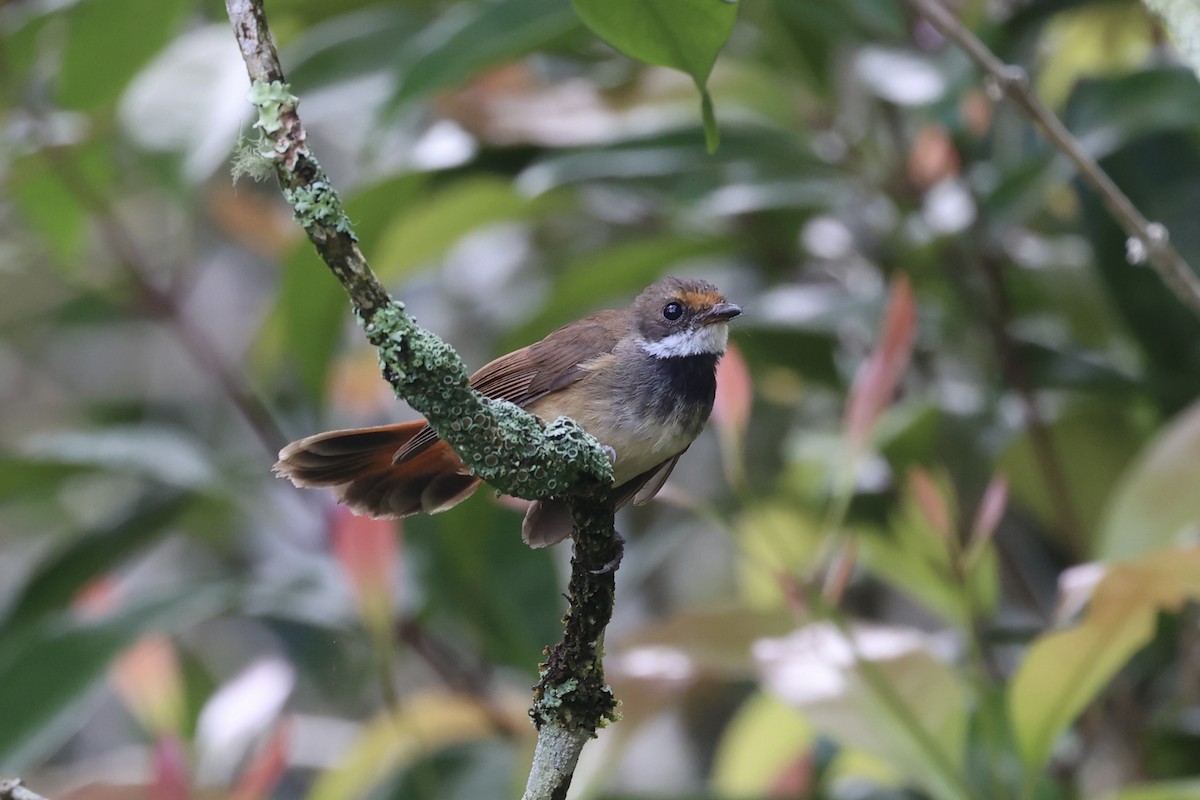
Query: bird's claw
(611, 453)
(615, 561)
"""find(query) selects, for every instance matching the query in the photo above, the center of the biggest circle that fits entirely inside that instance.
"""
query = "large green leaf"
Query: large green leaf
(1065, 670)
(1155, 502)
(478, 573)
(1091, 464)
(882, 690)
(95, 68)
(47, 673)
(472, 36)
(684, 34)
(315, 310)
(420, 232)
(59, 578)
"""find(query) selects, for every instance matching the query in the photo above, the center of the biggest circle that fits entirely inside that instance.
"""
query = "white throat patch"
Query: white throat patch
(709, 340)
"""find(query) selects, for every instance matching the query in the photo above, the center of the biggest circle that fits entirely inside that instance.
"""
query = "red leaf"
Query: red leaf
(267, 768)
(97, 597)
(933, 505)
(991, 510)
(367, 550)
(880, 374)
(148, 678)
(731, 409)
(169, 779)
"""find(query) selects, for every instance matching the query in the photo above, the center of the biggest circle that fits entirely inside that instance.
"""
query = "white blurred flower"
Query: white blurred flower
(190, 99)
(237, 714)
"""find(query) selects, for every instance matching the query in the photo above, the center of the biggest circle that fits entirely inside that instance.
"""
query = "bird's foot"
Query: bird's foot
(615, 562)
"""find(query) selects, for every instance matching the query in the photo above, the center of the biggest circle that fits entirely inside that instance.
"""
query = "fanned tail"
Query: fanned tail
(360, 465)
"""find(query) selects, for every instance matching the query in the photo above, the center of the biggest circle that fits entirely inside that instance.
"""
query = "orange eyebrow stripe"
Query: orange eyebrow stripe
(701, 299)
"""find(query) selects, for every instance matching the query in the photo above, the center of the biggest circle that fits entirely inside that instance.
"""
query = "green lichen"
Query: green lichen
(317, 203)
(499, 442)
(272, 100)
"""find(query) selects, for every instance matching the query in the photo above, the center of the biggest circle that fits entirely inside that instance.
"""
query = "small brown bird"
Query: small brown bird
(640, 379)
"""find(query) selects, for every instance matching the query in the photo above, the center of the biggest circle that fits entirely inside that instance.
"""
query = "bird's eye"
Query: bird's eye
(672, 311)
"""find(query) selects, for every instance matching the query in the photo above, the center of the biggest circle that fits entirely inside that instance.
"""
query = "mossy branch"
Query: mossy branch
(506, 446)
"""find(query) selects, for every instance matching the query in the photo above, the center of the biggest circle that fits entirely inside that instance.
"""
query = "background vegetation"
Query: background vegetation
(982, 591)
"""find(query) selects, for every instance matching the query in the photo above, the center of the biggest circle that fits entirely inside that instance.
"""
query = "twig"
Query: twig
(1040, 438)
(1148, 241)
(499, 442)
(195, 341)
(13, 789)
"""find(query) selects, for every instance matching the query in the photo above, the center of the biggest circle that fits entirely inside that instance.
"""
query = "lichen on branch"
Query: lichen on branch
(501, 443)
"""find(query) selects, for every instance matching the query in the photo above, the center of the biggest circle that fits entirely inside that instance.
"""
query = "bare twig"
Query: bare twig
(499, 442)
(124, 247)
(1148, 241)
(13, 789)
(1040, 439)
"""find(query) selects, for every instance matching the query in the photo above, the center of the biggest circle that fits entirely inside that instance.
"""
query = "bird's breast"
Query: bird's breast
(647, 412)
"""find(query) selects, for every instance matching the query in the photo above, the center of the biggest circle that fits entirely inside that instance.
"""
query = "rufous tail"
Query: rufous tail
(360, 464)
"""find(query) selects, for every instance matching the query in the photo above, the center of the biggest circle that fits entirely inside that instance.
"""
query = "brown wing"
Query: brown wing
(535, 371)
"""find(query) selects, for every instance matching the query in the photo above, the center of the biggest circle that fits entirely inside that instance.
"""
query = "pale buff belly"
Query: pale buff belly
(641, 440)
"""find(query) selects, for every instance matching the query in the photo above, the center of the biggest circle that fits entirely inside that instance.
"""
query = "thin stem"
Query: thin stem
(1149, 241)
(124, 247)
(1015, 375)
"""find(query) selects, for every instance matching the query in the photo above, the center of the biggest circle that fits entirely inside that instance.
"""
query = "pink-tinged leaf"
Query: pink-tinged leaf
(931, 502)
(267, 768)
(731, 409)
(169, 771)
(148, 679)
(367, 550)
(797, 778)
(841, 570)
(731, 412)
(880, 374)
(991, 510)
(96, 598)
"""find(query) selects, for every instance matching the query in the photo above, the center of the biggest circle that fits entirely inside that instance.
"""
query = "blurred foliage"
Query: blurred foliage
(176, 622)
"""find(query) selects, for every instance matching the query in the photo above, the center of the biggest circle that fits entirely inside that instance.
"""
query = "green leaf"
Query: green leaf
(427, 722)
(53, 208)
(1156, 502)
(1106, 115)
(470, 37)
(764, 739)
(59, 578)
(421, 232)
(478, 573)
(1092, 463)
(95, 69)
(1065, 670)
(684, 34)
(313, 309)
(883, 691)
(47, 674)
(1163, 790)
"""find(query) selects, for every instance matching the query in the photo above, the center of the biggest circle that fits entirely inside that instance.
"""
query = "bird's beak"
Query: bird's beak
(722, 312)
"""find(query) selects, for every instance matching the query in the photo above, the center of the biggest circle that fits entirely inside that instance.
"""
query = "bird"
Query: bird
(641, 380)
